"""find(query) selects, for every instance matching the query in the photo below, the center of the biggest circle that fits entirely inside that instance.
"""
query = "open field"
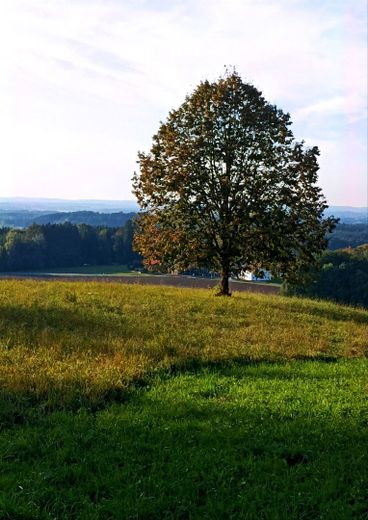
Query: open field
(88, 269)
(137, 402)
(112, 270)
(147, 279)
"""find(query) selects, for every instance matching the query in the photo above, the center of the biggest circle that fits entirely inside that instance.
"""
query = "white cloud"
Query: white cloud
(110, 70)
(338, 105)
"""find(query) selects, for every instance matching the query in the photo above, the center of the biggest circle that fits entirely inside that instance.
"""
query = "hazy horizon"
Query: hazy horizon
(132, 200)
(129, 201)
(84, 85)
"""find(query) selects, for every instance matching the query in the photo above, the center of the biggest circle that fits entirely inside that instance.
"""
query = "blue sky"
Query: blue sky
(85, 83)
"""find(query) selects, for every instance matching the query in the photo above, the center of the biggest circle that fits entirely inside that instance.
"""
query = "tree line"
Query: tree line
(341, 276)
(66, 245)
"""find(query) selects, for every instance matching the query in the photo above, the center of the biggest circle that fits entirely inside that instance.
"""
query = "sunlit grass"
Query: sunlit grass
(68, 343)
(137, 402)
(246, 441)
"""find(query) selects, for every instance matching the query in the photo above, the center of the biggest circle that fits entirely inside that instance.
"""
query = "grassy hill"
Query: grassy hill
(137, 402)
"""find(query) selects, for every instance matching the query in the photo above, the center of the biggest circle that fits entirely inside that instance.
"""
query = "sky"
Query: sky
(84, 84)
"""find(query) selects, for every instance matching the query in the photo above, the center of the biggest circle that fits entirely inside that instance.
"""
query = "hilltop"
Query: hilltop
(132, 330)
(157, 402)
(22, 219)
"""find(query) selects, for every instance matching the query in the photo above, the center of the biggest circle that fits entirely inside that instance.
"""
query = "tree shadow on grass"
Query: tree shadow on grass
(182, 450)
(335, 312)
(22, 405)
(260, 368)
(354, 315)
(26, 322)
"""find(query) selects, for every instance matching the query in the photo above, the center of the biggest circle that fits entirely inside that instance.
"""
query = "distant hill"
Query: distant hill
(348, 214)
(19, 219)
(22, 219)
(86, 217)
(348, 235)
(55, 205)
(22, 212)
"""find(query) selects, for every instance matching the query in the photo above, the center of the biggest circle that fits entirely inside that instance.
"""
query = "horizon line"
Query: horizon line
(60, 199)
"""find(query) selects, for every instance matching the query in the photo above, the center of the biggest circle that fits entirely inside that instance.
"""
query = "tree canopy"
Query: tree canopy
(65, 245)
(226, 186)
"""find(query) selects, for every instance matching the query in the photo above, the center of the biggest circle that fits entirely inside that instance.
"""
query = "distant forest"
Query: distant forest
(341, 276)
(345, 235)
(74, 243)
(66, 245)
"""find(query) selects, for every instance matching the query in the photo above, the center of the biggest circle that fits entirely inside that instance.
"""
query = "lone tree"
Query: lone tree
(225, 186)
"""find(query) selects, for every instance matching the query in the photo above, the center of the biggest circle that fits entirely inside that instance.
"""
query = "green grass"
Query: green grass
(132, 402)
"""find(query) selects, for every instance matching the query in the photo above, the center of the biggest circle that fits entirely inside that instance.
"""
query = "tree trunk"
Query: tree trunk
(225, 288)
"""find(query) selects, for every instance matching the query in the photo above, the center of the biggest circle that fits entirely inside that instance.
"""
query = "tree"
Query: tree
(340, 275)
(132, 257)
(63, 245)
(226, 186)
(104, 244)
(118, 247)
(88, 244)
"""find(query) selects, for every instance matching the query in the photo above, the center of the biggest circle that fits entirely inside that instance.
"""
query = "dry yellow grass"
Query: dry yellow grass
(68, 343)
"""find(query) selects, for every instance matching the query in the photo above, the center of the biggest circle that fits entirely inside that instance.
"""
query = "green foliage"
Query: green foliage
(225, 186)
(341, 276)
(157, 403)
(64, 245)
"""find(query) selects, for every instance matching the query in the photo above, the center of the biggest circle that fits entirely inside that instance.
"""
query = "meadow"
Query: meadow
(138, 402)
